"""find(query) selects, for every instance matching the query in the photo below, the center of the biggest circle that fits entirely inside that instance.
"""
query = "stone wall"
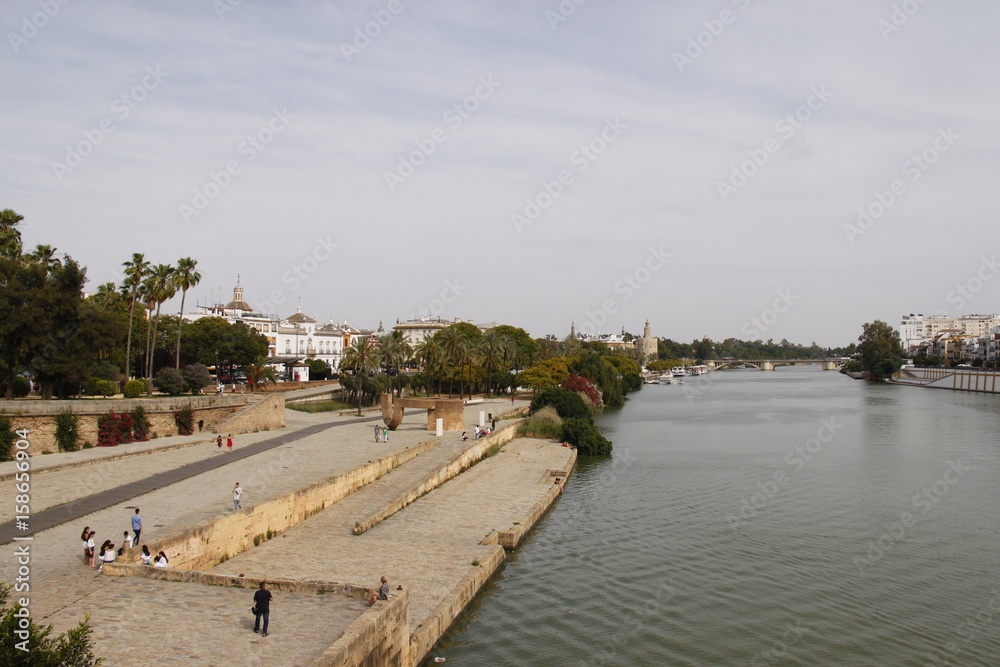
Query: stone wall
(263, 415)
(204, 546)
(42, 427)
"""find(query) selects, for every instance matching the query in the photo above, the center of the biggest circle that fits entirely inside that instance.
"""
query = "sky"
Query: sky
(737, 168)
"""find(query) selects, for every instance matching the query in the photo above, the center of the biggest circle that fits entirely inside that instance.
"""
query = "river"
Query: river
(794, 517)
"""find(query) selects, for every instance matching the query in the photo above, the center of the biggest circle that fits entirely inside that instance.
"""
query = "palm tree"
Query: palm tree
(185, 277)
(362, 356)
(451, 341)
(135, 273)
(464, 356)
(108, 297)
(260, 373)
(395, 352)
(159, 289)
(44, 255)
(10, 235)
(495, 349)
(430, 354)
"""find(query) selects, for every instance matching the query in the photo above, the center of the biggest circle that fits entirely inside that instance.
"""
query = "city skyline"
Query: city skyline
(743, 169)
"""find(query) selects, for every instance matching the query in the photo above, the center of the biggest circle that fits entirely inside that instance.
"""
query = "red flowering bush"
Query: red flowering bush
(114, 428)
(586, 387)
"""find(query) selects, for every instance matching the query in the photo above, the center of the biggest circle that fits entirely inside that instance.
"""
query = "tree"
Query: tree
(495, 350)
(10, 235)
(185, 277)
(159, 288)
(135, 274)
(431, 356)
(74, 648)
(196, 377)
(259, 373)
(362, 356)
(395, 353)
(451, 341)
(881, 350)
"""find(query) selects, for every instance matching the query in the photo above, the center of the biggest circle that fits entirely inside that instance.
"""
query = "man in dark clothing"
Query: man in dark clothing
(262, 602)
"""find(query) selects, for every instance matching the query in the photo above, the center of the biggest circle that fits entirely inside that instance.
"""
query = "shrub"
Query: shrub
(568, 404)
(21, 386)
(115, 428)
(184, 418)
(73, 647)
(107, 388)
(196, 377)
(140, 424)
(169, 381)
(7, 439)
(134, 388)
(586, 387)
(68, 431)
(546, 424)
(586, 437)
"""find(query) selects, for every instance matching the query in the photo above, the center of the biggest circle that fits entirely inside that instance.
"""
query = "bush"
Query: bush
(98, 386)
(21, 387)
(546, 424)
(196, 377)
(569, 404)
(169, 381)
(68, 431)
(586, 437)
(73, 647)
(7, 439)
(115, 428)
(134, 388)
(140, 424)
(586, 387)
(184, 418)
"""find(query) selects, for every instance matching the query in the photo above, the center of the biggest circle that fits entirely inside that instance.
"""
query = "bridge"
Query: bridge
(771, 364)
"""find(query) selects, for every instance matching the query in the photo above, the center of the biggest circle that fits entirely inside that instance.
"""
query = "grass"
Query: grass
(320, 406)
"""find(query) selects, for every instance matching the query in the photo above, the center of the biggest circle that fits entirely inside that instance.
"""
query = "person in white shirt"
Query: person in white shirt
(237, 492)
(161, 560)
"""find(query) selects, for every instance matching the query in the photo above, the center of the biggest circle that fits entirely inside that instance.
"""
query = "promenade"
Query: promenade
(429, 547)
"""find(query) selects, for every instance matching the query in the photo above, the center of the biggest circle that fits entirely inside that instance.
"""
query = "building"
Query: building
(417, 331)
(649, 347)
(238, 310)
(917, 331)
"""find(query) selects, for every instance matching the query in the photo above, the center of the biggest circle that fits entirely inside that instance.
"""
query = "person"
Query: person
(136, 525)
(83, 536)
(465, 435)
(91, 548)
(381, 594)
(218, 389)
(229, 442)
(161, 560)
(559, 484)
(218, 441)
(147, 558)
(493, 425)
(378, 434)
(109, 553)
(385, 434)
(262, 605)
(237, 492)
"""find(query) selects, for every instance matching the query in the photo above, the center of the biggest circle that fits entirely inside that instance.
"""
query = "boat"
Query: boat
(670, 378)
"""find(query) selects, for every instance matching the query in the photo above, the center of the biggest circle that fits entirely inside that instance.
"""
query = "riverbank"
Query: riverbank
(436, 522)
(956, 379)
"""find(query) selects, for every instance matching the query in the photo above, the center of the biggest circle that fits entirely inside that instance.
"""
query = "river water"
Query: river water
(794, 517)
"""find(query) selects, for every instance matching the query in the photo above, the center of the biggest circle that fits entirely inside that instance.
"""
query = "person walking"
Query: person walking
(385, 434)
(378, 434)
(237, 492)
(218, 441)
(262, 607)
(229, 442)
(136, 525)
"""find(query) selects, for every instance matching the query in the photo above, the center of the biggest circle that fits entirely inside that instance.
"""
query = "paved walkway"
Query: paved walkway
(63, 590)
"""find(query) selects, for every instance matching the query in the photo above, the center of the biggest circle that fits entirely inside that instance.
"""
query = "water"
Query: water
(795, 518)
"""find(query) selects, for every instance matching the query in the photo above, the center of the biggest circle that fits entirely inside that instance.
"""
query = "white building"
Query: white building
(416, 332)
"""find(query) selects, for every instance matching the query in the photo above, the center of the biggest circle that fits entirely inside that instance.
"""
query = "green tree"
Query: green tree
(135, 273)
(259, 373)
(395, 353)
(10, 235)
(362, 357)
(74, 648)
(431, 357)
(185, 277)
(881, 350)
(160, 287)
(496, 351)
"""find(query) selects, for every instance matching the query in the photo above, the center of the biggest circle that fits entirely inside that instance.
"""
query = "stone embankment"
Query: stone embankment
(434, 516)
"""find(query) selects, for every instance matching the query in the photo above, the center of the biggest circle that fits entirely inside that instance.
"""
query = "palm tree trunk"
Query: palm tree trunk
(156, 324)
(128, 341)
(180, 321)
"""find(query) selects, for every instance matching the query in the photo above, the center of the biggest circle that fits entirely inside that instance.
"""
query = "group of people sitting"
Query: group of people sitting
(108, 553)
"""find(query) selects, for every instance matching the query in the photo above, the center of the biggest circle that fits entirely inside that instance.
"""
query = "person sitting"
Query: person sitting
(465, 435)
(106, 554)
(161, 560)
(147, 558)
(381, 594)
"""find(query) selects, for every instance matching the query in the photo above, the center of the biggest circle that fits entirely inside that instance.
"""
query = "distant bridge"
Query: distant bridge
(771, 364)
